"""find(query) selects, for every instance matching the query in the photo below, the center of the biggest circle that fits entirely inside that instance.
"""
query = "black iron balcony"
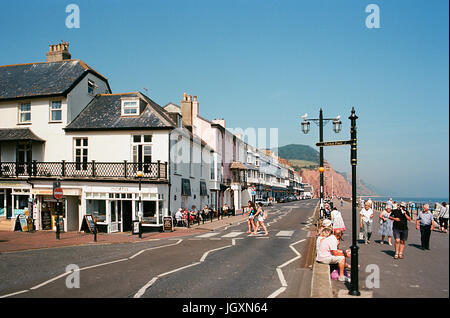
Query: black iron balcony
(84, 170)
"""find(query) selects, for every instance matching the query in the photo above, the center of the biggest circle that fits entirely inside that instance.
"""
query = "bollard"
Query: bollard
(189, 219)
(211, 215)
(57, 228)
(140, 229)
(95, 232)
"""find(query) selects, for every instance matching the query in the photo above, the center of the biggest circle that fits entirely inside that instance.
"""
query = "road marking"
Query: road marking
(93, 266)
(233, 234)
(280, 272)
(208, 234)
(16, 293)
(142, 290)
(285, 233)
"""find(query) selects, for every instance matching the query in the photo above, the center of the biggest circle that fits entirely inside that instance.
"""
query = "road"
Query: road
(225, 263)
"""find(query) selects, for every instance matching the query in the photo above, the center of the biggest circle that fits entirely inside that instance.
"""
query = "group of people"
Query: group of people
(393, 225)
(194, 215)
(256, 217)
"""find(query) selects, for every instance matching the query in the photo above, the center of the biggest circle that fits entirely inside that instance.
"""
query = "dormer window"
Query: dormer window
(130, 107)
(91, 87)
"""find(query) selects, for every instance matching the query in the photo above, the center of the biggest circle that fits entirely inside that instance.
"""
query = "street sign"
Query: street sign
(334, 143)
(58, 193)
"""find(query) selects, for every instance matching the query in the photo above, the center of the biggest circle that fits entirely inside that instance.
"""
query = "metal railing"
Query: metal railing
(91, 169)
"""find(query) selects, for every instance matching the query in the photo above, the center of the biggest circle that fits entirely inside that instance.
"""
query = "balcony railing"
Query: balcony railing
(87, 170)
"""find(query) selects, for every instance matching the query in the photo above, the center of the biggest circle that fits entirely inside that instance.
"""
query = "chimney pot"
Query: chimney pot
(58, 52)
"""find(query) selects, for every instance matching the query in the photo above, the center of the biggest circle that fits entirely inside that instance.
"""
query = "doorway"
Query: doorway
(127, 215)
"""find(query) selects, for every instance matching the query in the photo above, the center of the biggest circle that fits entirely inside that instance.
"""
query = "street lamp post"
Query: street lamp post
(305, 128)
(354, 289)
(354, 248)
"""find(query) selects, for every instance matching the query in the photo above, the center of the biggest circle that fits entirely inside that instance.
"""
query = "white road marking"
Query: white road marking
(233, 234)
(202, 259)
(93, 266)
(285, 233)
(280, 273)
(208, 234)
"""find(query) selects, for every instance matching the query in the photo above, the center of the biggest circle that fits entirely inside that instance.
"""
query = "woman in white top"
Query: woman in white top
(260, 217)
(338, 221)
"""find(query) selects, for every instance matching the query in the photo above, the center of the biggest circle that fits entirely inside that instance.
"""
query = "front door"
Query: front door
(23, 157)
(127, 215)
(116, 215)
(8, 194)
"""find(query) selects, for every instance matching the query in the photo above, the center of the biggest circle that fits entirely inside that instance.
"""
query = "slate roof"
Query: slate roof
(42, 79)
(104, 113)
(18, 134)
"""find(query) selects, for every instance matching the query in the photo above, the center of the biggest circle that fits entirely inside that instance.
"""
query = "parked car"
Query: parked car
(264, 202)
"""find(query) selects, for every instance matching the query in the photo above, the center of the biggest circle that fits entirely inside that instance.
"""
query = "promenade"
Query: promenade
(421, 274)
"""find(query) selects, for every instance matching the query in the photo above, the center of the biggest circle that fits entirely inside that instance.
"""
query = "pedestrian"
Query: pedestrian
(370, 202)
(225, 209)
(386, 225)
(328, 253)
(323, 233)
(443, 217)
(342, 202)
(327, 211)
(338, 221)
(425, 222)
(366, 222)
(260, 216)
(251, 215)
(400, 216)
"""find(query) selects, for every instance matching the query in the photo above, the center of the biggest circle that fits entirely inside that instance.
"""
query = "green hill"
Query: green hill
(299, 152)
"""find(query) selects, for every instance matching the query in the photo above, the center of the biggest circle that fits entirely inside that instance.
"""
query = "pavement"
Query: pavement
(421, 274)
(11, 241)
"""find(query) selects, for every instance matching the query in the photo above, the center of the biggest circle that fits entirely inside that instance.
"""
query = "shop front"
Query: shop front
(45, 209)
(14, 199)
(115, 208)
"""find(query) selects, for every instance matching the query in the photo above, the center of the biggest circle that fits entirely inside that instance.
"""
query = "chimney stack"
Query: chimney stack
(58, 52)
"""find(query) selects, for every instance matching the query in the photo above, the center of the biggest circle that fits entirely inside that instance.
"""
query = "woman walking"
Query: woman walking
(386, 225)
(260, 217)
(251, 215)
(338, 221)
(443, 217)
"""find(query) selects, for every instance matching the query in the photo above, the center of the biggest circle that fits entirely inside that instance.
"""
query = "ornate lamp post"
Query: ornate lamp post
(354, 289)
(321, 122)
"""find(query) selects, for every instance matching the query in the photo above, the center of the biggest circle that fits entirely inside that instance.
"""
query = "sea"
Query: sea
(408, 199)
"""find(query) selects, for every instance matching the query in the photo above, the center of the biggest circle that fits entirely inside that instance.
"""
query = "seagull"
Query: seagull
(339, 116)
(305, 115)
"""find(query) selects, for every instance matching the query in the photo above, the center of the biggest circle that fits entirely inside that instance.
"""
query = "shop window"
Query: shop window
(97, 208)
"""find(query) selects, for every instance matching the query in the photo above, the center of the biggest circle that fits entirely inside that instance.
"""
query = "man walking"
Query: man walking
(400, 216)
(366, 222)
(425, 221)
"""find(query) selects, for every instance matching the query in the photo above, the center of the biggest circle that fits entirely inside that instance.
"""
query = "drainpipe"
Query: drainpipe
(168, 177)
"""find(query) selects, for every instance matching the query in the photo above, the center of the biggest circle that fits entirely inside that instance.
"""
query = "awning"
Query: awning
(237, 165)
(18, 134)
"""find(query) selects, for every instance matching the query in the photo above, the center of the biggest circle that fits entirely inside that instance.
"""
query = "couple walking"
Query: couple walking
(256, 213)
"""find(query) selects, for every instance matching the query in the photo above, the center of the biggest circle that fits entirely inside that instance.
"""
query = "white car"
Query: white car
(264, 202)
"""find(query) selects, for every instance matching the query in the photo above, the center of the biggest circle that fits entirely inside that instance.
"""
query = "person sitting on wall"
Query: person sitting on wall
(328, 253)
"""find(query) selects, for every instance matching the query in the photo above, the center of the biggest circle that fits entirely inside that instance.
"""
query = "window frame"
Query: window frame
(20, 112)
(91, 83)
(51, 110)
(81, 147)
(123, 107)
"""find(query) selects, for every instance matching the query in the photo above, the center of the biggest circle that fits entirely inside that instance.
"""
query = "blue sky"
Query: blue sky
(263, 64)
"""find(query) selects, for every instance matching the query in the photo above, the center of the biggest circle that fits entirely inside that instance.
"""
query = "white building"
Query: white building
(110, 152)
